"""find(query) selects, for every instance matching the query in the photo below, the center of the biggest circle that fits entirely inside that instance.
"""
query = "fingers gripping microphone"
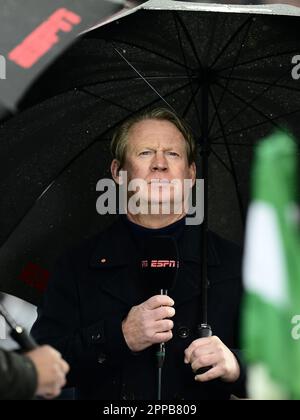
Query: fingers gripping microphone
(159, 265)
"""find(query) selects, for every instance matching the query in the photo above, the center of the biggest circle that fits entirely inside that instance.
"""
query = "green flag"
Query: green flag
(271, 324)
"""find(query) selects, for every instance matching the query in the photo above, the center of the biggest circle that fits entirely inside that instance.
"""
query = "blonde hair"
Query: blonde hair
(120, 137)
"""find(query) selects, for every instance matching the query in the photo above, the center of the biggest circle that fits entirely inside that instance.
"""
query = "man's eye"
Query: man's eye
(173, 154)
(145, 153)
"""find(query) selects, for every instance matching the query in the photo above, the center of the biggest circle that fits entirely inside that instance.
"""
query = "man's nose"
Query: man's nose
(159, 162)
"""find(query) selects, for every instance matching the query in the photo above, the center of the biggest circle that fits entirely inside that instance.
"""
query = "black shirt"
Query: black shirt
(141, 234)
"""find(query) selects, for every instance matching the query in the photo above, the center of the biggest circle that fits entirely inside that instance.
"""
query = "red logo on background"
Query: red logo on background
(43, 38)
(35, 276)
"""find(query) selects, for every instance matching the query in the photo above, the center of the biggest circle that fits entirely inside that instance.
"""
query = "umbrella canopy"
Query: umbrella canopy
(227, 70)
(33, 33)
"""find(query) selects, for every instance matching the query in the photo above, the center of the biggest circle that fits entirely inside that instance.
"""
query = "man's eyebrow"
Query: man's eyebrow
(139, 149)
(151, 148)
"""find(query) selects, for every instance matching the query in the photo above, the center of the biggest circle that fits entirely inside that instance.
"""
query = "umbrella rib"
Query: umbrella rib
(238, 79)
(220, 159)
(188, 36)
(231, 39)
(194, 94)
(145, 80)
(232, 144)
(250, 127)
(171, 60)
(128, 79)
(233, 171)
(77, 156)
(104, 99)
(144, 107)
(260, 59)
(253, 100)
(190, 102)
(250, 105)
(231, 72)
(170, 77)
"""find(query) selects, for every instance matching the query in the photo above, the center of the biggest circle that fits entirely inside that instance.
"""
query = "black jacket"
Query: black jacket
(18, 377)
(92, 291)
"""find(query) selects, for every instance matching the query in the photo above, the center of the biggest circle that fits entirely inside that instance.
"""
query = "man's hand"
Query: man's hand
(146, 324)
(51, 370)
(210, 351)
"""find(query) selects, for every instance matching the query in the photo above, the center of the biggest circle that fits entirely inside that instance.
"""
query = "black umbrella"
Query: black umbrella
(227, 70)
(33, 33)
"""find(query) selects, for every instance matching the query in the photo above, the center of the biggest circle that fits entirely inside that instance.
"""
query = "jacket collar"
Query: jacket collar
(190, 246)
(120, 254)
(115, 247)
(121, 251)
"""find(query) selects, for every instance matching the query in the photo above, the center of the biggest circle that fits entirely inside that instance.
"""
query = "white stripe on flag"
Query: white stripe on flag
(265, 272)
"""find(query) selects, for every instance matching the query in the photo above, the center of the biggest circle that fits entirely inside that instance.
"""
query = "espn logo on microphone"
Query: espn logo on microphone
(160, 263)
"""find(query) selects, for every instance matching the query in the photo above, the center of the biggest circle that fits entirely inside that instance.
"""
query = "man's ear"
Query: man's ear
(115, 169)
(193, 172)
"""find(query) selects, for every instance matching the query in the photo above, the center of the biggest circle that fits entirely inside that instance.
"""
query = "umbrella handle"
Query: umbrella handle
(204, 330)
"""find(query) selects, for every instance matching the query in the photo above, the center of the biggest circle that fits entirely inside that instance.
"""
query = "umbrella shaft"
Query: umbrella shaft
(205, 156)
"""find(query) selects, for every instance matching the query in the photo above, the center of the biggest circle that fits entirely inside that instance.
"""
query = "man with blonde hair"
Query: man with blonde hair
(97, 311)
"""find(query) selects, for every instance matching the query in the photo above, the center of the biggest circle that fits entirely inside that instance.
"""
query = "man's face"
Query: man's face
(156, 153)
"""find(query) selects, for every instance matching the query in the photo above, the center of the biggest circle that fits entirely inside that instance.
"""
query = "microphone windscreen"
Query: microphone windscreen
(160, 263)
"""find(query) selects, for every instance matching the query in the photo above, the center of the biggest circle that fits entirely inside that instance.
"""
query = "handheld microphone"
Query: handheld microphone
(159, 265)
